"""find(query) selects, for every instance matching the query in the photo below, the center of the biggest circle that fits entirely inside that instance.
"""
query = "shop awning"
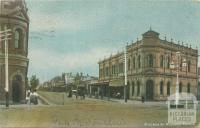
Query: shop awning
(116, 83)
(105, 83)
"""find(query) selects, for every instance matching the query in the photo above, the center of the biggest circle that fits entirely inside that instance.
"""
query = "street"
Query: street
(85, 113)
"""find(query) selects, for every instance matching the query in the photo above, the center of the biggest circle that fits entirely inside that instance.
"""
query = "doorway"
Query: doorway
(16, 92)
(149, 90)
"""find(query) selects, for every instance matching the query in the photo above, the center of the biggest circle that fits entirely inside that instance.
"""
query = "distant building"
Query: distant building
(87, 80)
(13, 14)
(68, 81)
(148, 70)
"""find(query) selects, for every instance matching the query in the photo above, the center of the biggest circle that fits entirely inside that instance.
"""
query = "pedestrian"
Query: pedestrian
(34, 97)
(142, 99)
(70, 93)
(28, 96)
(118, 95)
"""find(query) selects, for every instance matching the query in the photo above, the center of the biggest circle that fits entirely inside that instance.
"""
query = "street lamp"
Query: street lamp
(177, 66)
(4, 37)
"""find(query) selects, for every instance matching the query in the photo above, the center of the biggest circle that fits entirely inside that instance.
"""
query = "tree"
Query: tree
(34, 82)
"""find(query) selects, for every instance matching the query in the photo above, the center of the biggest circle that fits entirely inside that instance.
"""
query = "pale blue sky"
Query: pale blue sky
(72, 35)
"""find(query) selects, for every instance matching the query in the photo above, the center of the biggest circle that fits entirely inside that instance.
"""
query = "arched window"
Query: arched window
(134, 62)
(121, 67)
(168, 88)
(139, 63)
(181, 64)
(107, 71)
(133, 88)
(168, 62)
(180, 87)
(18, 38)
(188, 88)
(113, 69)
(161, 61)
(150, 60)
(189, 64)
(161, 88)
(129, 64)
(138, 88)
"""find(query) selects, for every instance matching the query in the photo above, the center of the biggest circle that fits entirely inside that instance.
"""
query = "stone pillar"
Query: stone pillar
(90, 91)
(99, 91)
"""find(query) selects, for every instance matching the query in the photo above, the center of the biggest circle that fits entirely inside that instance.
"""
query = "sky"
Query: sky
(73, 35)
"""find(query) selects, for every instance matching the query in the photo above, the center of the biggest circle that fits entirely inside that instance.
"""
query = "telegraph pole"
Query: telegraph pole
(4, 37)
(177, 78)
(125, 74)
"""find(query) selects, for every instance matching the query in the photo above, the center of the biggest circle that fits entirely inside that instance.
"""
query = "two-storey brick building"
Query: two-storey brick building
(13, 15)
(148, 70)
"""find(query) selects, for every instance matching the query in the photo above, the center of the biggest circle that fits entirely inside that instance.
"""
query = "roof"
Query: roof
(14, 8)
(150, 33)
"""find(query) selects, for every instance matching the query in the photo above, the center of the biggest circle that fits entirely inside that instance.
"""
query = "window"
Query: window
(133, 62)
(133, 88)
(168, 62)
(121, 67)
(113, 69)
(181, 64)
(188, 88)
(107, 71)
(129, 64)
(150, 60)
(24, 41)
(139, 63)
(138, 88)
(189, 64)
(168, 88)
(161, 61)
(116, 69)
(101, 72)
(17, 38)
(180, 87)
(161, 88)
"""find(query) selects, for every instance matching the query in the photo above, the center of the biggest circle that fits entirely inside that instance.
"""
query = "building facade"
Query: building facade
(13, 15)
(148, 70)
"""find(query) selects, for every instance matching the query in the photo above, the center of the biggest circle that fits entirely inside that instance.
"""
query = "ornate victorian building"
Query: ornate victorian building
(148, 70)
(13, 15)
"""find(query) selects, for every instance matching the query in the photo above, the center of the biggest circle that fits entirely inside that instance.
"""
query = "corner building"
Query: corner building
(148, 70)
(13, 14)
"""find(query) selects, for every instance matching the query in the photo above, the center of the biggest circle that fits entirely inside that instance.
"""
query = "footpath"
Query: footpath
(132, 102)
